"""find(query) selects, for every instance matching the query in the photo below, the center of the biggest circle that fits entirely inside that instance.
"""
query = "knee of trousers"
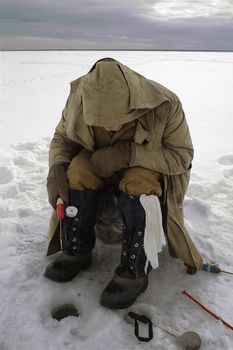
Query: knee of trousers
(80, 175)
(138, 180)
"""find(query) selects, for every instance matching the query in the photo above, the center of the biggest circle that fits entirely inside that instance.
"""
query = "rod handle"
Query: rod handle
(60, 209)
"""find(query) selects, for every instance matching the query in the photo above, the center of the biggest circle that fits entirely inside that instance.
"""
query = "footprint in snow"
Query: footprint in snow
(23, 162)
(226, 160)
(228, 174)
(6, 175)
(26, 146)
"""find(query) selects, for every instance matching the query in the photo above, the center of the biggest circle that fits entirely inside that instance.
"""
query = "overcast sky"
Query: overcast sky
(116, 24)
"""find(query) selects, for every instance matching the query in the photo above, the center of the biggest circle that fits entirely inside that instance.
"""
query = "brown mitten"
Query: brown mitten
(110, 159)
(57, 185)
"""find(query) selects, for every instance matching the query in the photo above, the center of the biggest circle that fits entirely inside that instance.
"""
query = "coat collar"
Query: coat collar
(140, 134)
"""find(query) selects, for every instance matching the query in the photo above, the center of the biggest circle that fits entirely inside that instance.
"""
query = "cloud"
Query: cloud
(189, 9)
(117, 24)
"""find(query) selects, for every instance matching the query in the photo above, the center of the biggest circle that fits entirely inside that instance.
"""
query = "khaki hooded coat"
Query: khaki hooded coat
(112, 93)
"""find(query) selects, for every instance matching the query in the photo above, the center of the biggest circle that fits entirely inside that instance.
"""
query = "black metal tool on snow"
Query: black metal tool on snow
(145, 320)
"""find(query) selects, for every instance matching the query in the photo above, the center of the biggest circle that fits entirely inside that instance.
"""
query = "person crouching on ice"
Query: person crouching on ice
(119, 127)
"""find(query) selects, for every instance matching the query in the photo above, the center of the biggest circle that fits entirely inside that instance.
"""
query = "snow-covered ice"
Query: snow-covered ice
(34, 88)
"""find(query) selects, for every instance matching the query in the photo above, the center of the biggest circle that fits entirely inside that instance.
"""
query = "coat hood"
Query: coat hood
(112, 93)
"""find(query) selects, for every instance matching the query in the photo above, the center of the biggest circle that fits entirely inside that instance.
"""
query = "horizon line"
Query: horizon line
(157, 50)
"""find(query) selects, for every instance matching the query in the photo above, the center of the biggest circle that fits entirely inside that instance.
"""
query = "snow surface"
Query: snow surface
(34, 88)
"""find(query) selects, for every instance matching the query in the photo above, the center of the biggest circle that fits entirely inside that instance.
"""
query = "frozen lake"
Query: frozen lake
(34, 88)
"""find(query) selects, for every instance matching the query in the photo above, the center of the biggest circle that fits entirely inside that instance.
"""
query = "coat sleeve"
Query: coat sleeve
(62, 148)
(169, 152)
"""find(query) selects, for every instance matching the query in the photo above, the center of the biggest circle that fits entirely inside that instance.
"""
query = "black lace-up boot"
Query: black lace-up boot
(130, 276)
(79, 233)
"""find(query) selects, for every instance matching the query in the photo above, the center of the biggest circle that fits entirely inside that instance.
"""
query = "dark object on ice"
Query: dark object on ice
(63, 311)
(143, 319)
(80, 234)
(191, 270)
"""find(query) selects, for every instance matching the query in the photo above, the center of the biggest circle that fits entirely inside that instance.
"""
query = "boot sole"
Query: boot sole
(70, 277)
(125, 305)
